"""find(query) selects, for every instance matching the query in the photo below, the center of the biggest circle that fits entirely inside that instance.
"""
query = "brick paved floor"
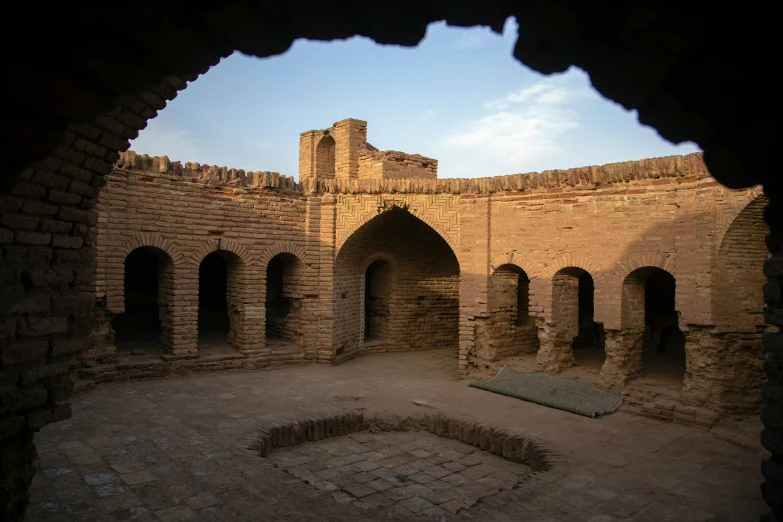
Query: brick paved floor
(409, 472)
(171, 449)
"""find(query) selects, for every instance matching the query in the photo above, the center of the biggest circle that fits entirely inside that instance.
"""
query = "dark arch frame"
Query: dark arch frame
(50, 140)
(283, 302)
(164, 290)
(646, 316)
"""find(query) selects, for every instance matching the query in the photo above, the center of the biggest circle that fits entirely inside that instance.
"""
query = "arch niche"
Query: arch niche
(283, 303)
(510, 328)
(653, 343)
(573, 335)
(325, 158)
(220, 283)
(148, 289)
(412, 299)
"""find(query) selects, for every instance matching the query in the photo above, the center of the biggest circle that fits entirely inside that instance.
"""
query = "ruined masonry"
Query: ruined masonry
(644, 271)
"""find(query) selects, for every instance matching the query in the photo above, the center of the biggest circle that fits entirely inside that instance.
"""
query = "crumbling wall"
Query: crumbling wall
(508, 329)
(391, 164)
(189, 211)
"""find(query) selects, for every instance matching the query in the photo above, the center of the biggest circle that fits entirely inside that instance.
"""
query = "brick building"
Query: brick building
(635, 267)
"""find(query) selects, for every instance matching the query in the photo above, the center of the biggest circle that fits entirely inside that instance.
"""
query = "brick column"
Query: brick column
(183, 312)
(555, 352)
(349, 135)
(623, 357)
(311, 307)
(474, 272)
(772, 391)
(326, 258)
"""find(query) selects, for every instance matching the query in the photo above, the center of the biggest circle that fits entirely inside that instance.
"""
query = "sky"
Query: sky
(459, 97)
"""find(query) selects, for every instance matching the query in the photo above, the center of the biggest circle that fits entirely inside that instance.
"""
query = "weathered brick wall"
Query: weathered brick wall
(508, 329)
(665, 213)
(391, 164)
(185, 213)
(736, 271)
(612, 222)
(342, 152)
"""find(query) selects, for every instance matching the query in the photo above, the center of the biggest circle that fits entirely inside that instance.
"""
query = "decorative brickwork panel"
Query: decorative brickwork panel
(439, 212)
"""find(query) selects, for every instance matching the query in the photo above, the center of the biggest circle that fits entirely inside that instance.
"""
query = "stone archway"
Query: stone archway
(420, 273)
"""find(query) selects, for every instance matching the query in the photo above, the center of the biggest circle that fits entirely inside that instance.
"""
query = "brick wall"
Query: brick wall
(185, 213)
(391, 164)
(342, 152)
(610, 221)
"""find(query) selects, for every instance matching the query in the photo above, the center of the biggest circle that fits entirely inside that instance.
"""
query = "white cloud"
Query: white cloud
(525, 125)
(160, 139)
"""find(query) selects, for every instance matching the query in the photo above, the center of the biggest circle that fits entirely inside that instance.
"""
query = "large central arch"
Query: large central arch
(413, 278)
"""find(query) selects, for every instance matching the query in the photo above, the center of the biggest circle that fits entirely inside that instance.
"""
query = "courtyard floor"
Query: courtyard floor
(176, 449)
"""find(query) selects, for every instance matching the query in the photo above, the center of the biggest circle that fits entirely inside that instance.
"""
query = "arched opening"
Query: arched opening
(509, 330)
(651, 322)
(378, 289)
(738, 306)
(576, 335)
(141, 328)
(219, 284)
(324, 158)
(412, 300)
(589, 342)
(283, 303)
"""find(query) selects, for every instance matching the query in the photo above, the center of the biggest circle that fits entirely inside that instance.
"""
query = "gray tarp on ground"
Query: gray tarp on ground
(556, 392)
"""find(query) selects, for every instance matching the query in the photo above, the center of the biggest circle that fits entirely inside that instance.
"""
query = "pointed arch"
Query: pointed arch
(571, 260)
(439, 211)
(423, 299)
(738, 201)
(149, 239)
(736, 277)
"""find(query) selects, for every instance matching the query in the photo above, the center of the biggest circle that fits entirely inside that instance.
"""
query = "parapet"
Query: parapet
(209, 175)
(625, 176)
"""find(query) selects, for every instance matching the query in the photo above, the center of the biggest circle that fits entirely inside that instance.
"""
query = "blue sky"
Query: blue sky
(459, 97)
